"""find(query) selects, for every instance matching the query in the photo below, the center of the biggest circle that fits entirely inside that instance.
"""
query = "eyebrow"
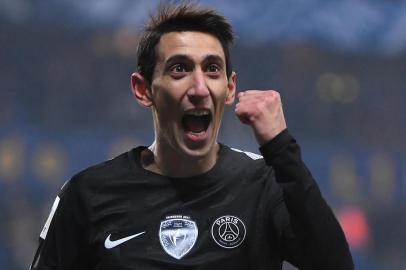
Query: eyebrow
(186, 58)
(213, 58)
(176, 58)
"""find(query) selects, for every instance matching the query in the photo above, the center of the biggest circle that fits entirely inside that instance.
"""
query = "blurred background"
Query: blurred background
(65, 104)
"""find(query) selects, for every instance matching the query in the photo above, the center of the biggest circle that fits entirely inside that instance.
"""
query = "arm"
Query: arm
(63, 239)
(318, 241)
(321, 242)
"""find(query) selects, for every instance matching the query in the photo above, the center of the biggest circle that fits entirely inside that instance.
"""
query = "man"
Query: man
(186, 201)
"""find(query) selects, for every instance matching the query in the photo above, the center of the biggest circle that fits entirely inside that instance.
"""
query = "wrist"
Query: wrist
(265, 137)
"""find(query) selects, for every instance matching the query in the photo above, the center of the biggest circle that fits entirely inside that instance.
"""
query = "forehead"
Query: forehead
(196, 45)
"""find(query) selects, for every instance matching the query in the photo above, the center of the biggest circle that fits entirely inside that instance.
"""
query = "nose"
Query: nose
(199, 89)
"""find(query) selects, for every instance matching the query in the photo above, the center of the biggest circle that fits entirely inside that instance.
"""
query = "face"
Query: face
(188, 92)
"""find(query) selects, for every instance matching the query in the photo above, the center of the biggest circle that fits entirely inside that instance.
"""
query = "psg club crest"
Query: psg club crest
(178, 235)
(228, 231)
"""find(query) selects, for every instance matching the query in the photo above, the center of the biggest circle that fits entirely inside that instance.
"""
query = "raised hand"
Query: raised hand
(262, 110)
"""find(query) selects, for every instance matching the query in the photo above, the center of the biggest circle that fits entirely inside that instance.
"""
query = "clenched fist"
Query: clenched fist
(262, 110)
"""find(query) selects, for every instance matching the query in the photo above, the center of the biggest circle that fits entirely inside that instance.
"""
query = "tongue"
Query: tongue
(194, 124)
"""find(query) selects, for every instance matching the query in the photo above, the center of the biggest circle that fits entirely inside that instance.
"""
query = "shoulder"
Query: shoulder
(241, 160)
(250, 170)
(241, 156)
(99, 175)
(111, 167)
(244, 154)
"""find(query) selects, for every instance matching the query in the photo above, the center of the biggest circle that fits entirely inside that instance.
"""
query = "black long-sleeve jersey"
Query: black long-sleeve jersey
(247, 212)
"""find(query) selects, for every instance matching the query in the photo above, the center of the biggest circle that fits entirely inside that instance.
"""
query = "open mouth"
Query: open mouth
(196, 121)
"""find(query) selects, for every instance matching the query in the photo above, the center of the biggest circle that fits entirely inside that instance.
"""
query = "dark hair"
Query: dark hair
(178, 18)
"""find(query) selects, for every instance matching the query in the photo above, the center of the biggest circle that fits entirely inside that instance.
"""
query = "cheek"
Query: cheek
(167, 110)
(220, 96)
(165, 98)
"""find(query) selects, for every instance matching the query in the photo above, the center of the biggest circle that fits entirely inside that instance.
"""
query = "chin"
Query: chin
(197, 151)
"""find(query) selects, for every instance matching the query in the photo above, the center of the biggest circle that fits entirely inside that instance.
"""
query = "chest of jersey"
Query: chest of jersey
(164, 226)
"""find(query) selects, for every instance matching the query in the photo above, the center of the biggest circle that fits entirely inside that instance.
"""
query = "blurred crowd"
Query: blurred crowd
(65, 104)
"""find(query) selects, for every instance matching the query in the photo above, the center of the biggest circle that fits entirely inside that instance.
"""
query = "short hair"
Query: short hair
(179, 18)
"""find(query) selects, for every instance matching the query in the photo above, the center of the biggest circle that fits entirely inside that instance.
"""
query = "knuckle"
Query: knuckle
(261, 106)
(269, 99)
(275, 94)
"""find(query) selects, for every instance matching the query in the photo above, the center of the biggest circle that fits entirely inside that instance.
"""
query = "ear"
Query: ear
(140, 89)
(231, 86)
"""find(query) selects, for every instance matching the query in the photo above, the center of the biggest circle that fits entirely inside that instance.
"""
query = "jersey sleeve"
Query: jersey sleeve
(310, 235)
(63, 240)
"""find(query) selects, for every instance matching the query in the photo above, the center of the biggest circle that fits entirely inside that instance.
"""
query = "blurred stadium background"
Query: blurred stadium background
(65, 104)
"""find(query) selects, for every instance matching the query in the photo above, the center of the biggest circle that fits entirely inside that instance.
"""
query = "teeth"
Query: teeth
(198, 113)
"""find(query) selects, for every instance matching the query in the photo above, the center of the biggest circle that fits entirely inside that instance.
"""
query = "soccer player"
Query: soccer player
(187, 201)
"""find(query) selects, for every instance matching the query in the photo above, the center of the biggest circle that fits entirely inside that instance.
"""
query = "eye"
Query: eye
(213, 68)
(178, 68)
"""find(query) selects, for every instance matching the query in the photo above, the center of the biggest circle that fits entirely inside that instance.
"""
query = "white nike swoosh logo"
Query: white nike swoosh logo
(111, 244)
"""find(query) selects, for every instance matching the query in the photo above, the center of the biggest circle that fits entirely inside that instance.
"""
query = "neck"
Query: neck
(165, 160)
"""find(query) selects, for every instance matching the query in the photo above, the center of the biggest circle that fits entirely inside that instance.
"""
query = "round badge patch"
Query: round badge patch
(228, 231)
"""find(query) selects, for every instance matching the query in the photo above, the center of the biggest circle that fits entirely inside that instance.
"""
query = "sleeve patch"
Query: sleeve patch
(251, 155)
(44, 231)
